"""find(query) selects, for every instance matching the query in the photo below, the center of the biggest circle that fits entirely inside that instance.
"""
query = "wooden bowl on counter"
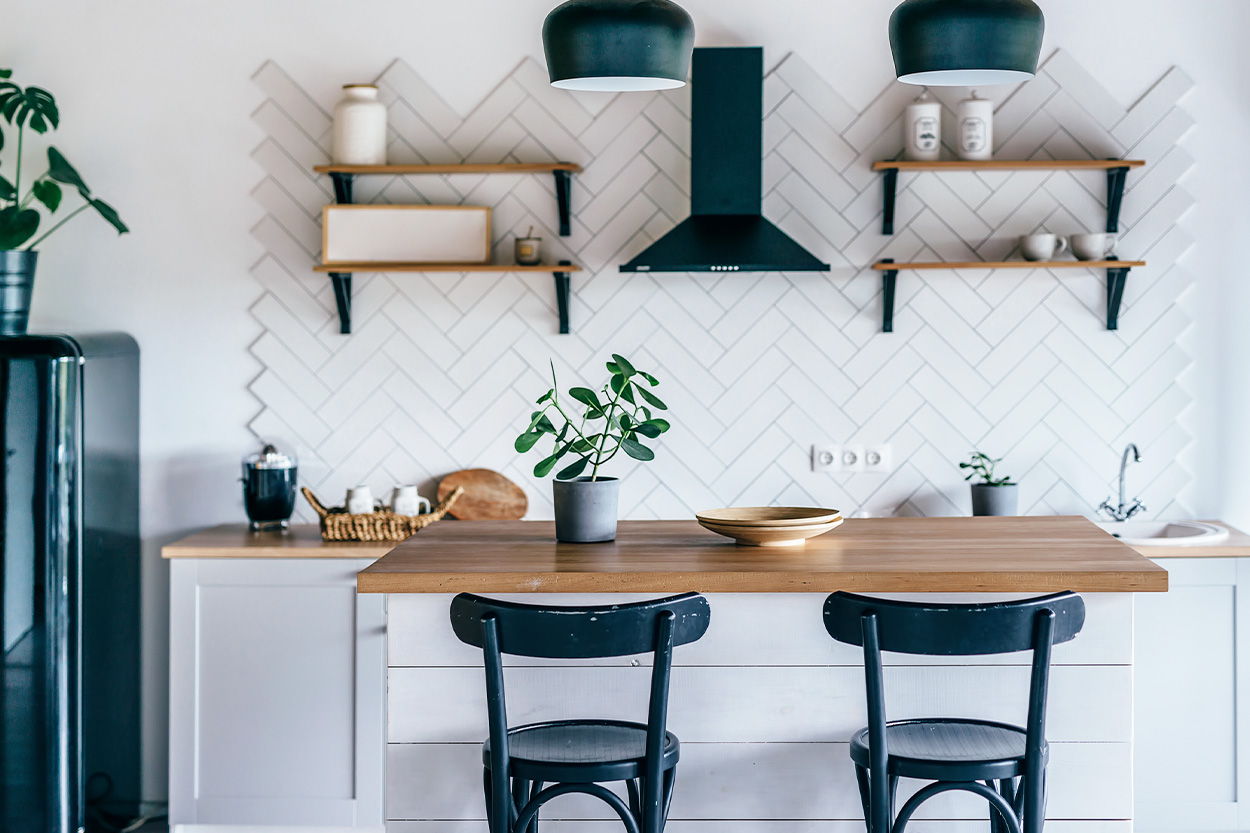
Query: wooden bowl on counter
(770, 526)
(769, 516)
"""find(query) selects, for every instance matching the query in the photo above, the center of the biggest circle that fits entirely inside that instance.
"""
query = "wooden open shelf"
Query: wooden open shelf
(1117, 277)
(885, 266)
(1116, 170)
(441, 267)
(1010, 165)
(466, 168)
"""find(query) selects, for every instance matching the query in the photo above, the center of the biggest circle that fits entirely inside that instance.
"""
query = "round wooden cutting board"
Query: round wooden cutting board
(488, 496)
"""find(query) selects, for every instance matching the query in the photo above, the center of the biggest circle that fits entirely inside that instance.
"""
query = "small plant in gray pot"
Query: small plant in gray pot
(993, 495)
(591, 431)
(35, 109)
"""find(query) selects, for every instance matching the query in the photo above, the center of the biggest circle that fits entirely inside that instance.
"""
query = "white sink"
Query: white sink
(1166, 533)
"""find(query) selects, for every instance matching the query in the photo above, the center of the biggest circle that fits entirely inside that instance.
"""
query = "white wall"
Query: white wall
(155, 100)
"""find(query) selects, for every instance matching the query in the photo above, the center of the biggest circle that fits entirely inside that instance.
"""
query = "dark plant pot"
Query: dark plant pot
(586, 509)
(994, 500)
(17, 279)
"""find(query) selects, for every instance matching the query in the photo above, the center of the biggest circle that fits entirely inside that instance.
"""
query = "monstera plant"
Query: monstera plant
(25, 211)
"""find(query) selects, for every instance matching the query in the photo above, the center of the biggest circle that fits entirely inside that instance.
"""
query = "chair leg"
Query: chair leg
(490, 801)
(670, 780)
(861, 775)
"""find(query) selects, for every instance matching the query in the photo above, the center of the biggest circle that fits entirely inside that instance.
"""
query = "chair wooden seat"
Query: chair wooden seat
(581, 751)
(942, 749)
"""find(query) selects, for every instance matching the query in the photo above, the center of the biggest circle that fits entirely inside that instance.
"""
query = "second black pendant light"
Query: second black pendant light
(618, 45)
(966, 43)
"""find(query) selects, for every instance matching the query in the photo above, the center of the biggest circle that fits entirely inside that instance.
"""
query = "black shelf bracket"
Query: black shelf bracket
(1116, 177)
(889, 181)
(1117, 277)
(343, 187)
(564, 191)
(343, 299)
(562, 296)
(889, 281)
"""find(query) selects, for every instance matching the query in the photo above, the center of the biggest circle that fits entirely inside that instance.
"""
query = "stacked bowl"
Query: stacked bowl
(770, 526)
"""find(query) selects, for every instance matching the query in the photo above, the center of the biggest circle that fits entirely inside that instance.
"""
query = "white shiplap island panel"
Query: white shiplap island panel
(764, 706)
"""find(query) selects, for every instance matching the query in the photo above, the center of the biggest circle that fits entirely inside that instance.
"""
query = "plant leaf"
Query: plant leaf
(17, 225)
(580, 446)
(637, 450)
(662, 424)
(7, 191)
(545, 465)
(617, 382)
(652, 399)
(61, 170)
(572, 471)
(586, 396)
(110, 214)
(628, 394)
(623, 365)
(649, 430)
(545, 397)
(612, 368)
(6, 73)
(526, 441)
(48, 193)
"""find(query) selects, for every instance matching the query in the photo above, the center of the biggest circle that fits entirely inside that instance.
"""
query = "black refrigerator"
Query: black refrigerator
(69, 582)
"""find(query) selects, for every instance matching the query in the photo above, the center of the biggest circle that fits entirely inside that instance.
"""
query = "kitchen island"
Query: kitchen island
(766, 702)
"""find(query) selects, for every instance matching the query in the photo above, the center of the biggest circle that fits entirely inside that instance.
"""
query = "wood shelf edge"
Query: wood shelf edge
(441, 267)
(1008, 165)
(1012, 264)
(466, 168)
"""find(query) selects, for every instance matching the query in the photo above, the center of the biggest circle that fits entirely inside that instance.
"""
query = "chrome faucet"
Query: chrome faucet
(1124, 511)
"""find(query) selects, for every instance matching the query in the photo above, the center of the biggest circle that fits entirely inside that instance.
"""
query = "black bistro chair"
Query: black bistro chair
(527, 766)
(1004, 764)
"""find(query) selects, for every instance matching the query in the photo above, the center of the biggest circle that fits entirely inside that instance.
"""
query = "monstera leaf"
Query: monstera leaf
(33, 107)
(61, 170)
(17, 225)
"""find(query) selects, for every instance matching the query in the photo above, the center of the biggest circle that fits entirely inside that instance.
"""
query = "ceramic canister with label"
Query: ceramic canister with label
(922, 129)
(976, 128)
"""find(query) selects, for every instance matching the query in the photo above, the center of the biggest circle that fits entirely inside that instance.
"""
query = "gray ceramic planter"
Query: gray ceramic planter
(586, 509)
(17, 279)
(994, 500)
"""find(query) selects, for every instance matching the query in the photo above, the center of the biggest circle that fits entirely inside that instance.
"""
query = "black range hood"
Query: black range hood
(725, 231)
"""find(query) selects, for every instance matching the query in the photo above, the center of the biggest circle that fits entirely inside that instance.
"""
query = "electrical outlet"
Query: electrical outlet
(826, 458)
(852, 458)
(878, 458)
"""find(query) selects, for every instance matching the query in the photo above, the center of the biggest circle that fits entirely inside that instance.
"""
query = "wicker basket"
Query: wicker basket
(384, 525)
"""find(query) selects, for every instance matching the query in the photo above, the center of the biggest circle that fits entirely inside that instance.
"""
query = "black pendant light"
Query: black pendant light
(966, 43)
(618, 45)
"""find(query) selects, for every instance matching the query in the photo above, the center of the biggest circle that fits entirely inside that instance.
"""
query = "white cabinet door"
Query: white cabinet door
(1192, 670)
(277, 690)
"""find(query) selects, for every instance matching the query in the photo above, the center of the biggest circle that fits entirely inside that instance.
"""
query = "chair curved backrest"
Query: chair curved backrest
(955, 630)
(585, 632)
(578, 632)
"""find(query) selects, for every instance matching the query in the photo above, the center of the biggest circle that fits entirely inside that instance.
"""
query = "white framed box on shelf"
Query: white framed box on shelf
(405, 234)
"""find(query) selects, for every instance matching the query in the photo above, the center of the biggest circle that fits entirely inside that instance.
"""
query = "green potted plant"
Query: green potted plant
(591, 431)
(993, 495)
(20, 216)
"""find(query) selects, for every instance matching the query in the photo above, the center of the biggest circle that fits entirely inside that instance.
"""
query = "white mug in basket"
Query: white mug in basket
(406, 501)
(360, 501)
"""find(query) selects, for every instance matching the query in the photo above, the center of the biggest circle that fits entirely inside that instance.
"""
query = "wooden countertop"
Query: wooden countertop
(886, 555)
(301, 541)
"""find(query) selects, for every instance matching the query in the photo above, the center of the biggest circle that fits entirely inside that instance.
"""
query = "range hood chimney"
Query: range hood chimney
(725, 231)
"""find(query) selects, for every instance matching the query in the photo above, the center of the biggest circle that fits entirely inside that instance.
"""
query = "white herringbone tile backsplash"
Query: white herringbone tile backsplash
(440, 369)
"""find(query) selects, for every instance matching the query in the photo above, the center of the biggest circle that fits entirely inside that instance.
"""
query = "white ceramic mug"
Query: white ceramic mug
(406, 501)
(1042, 246)
(360, 501)
(1092, 246)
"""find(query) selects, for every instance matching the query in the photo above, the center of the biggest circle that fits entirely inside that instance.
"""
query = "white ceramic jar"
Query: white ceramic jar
(359, 127)
(922, 129)
(976, 128)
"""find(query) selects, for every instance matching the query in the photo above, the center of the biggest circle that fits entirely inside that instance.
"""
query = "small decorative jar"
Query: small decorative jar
(976, 128)
(922, 129)
(359, 127)
(269, 479)
(529, 249)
